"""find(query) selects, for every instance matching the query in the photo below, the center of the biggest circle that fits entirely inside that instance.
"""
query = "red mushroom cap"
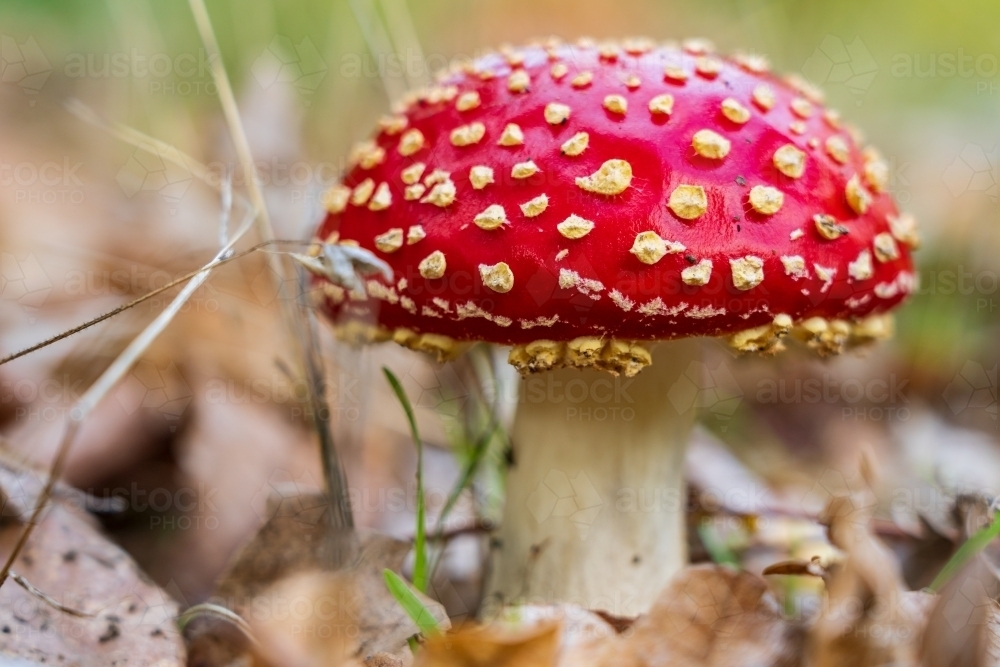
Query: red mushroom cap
(588, 194)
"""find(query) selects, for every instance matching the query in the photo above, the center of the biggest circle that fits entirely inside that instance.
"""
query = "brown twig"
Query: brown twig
(135, 302)
(47, 599)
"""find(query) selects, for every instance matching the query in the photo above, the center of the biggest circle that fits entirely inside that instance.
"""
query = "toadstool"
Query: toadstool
(592, 202)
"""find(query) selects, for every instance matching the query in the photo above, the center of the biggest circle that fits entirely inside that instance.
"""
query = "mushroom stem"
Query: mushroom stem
(594, 514)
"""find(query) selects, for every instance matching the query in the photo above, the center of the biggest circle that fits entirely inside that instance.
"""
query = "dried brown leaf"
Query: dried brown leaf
(292, 564)
(493, 646)
(69, 560)
(870, 619)
(712, 616)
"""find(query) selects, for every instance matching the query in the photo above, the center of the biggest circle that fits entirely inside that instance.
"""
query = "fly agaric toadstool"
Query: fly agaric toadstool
(581, 202)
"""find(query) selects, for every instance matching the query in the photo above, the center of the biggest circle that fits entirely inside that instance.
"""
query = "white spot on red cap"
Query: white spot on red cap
(556, 113)
(392, 125)
(876, 170)
(467, 101)
(735, 111)
(411, 142)
(582, 80)
(414, 234)
(748, 272)
(649, 247)
(861, 268)
(795, 266)
(662, 104)
(766, 200)
(518, 81)
(616, 104)
(904, 229)
(675, 72)
(699, 274)
(335, 198)
(885, 246)
(828, 227)
(613, 177)
(412, 174)
(390, 241)
(480, 176)
(703, 312)
(709, 144)
(837, 148)
(467, 135)
(790, 161)
(688, 201)
(367, 155)
(826, 274)
(657, 307)
(511, 135)
(698, 45)
(575, 227)
(707, 66)
(498, 277)
(363, 192)
(442, 194)
(433, 266)
(587, 286)
(857, 197)
(524, 169)
(436, 176)
(621, 300)
(535, 207)
(382, 199)
(801, 107)
(492, 217)
(575, 144)
(763, 96)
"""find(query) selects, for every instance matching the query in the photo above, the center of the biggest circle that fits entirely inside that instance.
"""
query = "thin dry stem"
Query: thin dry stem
(108, 379)
(299, 328)
(47, 599)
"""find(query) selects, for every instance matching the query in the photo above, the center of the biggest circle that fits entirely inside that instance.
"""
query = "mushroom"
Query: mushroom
(592, 203)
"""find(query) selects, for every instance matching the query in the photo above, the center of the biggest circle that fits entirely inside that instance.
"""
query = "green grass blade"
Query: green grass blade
(410, 603)
(972, 546)
(420, 542)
